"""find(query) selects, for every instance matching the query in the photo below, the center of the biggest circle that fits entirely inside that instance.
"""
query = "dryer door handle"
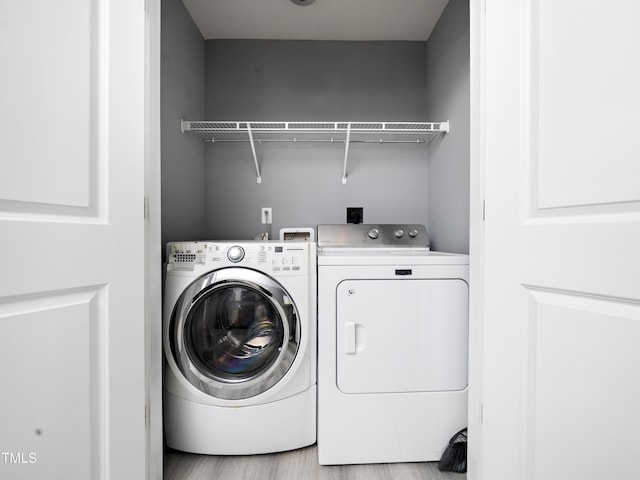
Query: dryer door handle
(350, 338)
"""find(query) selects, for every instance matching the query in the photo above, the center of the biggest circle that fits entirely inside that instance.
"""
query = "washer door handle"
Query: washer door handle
(350, 338)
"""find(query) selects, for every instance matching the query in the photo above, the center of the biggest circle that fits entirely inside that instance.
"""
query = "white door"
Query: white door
(561, 338)
(72, 240)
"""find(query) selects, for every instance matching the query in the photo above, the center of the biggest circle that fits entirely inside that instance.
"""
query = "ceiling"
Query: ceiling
(319, 20)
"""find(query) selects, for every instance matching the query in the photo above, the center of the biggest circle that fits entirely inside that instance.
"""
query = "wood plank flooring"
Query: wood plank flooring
(299, 464)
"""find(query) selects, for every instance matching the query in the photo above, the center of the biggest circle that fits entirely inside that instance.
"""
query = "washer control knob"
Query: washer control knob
(413, 233)
(235, 254)
(373, 233)
(399, 233)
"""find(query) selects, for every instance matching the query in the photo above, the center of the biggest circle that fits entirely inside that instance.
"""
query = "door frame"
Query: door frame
(476, 236)
(153, 293)
(153, 250)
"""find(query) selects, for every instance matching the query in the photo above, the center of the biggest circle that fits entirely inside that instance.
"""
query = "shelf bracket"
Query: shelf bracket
(255, 157)
(346, 154)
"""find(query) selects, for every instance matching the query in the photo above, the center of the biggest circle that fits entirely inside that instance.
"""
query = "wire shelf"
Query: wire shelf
(328, 132)
(366, 132)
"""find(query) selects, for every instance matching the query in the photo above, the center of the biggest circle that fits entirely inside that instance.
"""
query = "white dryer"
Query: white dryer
(393, 345)
(239, 333)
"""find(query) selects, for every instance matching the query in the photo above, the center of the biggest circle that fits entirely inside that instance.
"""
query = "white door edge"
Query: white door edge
(153, 293)
(476, 240)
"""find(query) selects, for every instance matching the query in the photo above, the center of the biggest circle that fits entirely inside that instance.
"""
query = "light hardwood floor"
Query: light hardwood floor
(299, 464)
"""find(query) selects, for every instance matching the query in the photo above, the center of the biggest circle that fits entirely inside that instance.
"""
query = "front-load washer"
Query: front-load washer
(239, 333)
(392, 345)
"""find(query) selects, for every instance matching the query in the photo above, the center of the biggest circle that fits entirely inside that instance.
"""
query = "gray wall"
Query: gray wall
(448, 97)
(210, 191)
(309, 81)
(182, 96)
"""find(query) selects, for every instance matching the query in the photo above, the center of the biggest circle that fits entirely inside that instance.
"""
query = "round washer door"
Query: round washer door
(234, 333)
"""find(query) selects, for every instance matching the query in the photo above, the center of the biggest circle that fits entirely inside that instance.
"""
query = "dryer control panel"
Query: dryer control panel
(394, 236)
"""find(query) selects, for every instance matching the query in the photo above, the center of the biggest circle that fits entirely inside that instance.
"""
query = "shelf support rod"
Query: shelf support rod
(255, 157)
(346, 154)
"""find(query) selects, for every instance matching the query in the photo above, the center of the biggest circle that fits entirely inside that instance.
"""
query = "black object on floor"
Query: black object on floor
(454, 457)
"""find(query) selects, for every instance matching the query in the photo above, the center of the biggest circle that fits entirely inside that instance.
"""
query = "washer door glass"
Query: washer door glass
(234, 333)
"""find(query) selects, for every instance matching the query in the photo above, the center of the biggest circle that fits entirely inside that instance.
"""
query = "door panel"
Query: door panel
(53, 91)
(583, 126)
(72, 222)
(55, 373)
(562, 226)
(402, 335)
(579, 354)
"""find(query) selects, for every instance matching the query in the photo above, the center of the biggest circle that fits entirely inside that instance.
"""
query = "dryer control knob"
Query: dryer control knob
(399, 233)
(373, 233)
(413, 233)
(235, 254)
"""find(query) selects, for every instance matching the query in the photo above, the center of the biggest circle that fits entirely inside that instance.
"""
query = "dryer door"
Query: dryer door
(402, 335)
(234, 333)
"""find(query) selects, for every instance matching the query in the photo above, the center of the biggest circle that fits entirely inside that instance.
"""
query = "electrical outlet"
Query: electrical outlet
(265, 216)
(354, 214)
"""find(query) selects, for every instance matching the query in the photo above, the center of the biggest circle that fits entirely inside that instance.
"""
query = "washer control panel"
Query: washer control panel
(277, 257)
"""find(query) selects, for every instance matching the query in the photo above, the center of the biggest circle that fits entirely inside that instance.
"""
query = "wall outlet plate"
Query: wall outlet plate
(265, 216)
(355, 214)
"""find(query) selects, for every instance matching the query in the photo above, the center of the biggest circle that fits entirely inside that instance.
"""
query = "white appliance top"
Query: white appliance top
(379, 237)
(380, 244)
